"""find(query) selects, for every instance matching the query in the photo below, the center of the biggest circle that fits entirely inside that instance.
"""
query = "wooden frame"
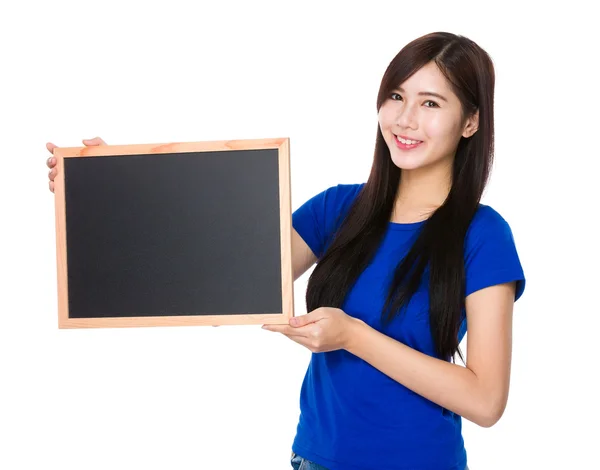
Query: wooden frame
(283, 147)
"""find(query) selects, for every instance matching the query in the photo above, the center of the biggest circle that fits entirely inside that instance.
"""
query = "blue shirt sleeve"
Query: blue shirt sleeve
(491, 254)
(318, 218)
(310, 220)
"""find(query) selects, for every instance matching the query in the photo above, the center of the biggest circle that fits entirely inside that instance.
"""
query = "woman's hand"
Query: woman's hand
(51, 162)
(324, 329)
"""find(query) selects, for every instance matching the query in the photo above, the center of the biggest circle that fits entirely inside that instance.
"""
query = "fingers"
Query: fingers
(301, 340)
(287, 330)
(51, 175)
(50, 146)
(51, 162)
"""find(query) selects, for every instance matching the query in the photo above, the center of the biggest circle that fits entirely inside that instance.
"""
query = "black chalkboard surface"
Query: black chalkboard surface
(195, 233)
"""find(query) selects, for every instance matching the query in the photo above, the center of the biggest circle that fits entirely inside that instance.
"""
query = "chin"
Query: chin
(408, 163)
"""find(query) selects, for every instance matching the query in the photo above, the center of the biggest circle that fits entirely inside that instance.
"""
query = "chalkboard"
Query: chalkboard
(185, 233)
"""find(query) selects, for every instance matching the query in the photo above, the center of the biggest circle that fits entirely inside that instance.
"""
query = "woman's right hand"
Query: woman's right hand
(51, 162)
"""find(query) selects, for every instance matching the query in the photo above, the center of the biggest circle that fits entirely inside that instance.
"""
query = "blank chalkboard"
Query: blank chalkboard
(188, 233)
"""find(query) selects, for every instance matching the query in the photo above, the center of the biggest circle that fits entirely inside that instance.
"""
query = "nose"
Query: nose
(407, 117)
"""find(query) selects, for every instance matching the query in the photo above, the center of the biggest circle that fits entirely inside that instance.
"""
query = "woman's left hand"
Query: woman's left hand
(324, 329)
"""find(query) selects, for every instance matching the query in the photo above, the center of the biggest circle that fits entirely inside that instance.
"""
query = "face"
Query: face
(436, 122)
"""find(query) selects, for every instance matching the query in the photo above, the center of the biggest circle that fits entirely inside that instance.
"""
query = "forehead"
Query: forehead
(427, 78)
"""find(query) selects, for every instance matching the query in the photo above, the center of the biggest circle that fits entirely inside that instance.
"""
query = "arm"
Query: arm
(479, 391)
(302, 256)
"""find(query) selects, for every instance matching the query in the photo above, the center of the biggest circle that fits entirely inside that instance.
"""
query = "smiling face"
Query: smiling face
(433, 124)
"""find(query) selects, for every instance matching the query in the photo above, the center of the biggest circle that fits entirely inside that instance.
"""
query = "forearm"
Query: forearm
(449, 385)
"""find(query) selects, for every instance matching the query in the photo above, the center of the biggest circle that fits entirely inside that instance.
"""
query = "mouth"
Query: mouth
(406, 144)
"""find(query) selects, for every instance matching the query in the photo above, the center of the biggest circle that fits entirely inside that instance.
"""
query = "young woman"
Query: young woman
(404, 262)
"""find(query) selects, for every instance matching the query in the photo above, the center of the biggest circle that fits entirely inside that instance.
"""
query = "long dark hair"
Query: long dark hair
(439, 245)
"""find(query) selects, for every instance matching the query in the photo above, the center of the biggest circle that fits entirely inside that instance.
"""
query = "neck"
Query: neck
(421, 192)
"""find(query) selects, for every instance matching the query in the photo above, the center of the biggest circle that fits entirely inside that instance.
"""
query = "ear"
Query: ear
(471, 125)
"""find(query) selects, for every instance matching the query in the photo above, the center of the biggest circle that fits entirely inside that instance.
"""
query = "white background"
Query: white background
(227, 398)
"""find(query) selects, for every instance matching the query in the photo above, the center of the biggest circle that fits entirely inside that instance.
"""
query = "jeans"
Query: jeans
(300, 463)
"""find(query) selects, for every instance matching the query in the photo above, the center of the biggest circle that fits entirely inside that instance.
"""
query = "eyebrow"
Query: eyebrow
(426, 93)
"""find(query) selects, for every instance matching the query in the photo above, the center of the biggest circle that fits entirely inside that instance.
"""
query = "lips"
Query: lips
(406, 146)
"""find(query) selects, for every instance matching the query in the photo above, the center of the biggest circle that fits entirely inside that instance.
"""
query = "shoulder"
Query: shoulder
(488, 223)
(491, 254)
(319, 217)
(342, 195)
(335, 201)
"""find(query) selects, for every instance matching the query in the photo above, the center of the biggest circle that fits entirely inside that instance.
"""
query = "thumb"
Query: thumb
(94, 141)
(303, 319)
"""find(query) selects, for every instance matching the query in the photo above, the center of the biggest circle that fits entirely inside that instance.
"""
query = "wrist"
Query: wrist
(354, 333)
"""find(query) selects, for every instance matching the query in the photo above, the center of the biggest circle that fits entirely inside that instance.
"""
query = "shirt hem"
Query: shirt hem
(304, 451)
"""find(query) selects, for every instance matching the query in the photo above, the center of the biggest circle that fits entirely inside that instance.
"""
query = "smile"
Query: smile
(407, 144)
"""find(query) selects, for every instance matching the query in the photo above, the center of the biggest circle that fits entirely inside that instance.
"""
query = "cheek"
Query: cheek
(382, 120)
(439, 129)
(386, 116)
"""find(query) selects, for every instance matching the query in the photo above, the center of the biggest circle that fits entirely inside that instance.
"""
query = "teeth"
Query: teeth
(408, 142)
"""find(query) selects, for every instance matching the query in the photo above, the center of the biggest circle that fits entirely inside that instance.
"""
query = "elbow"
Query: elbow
(491, 414)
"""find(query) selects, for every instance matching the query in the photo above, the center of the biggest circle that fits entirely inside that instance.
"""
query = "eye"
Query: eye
(433, 103)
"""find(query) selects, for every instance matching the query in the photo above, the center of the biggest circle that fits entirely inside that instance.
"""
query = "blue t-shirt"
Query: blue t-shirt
(354, 417)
